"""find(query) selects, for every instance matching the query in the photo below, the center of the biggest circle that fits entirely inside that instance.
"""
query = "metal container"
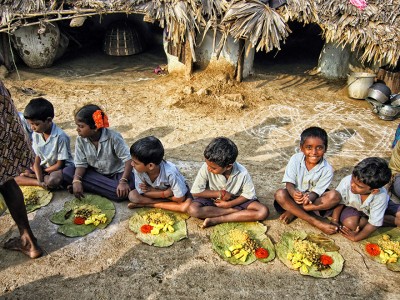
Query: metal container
(388, 112)
(375, 105)
(358, 84)
(380, 92)
(395, 100)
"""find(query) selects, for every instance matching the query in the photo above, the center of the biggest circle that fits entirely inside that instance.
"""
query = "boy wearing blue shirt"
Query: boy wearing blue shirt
(158, 183)
(50, 144)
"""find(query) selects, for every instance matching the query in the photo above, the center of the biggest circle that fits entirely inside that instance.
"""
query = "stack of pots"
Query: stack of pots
(385, 105)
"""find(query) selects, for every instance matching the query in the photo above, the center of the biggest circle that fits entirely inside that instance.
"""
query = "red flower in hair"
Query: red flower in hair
(261, 253)
(326, 260)
(100, 119)
(372, 249)
(146, 228)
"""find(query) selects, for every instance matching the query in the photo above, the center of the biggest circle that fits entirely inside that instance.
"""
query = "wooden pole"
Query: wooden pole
(240, 64)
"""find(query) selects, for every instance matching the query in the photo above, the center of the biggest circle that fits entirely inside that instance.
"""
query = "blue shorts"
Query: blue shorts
(210, 202)
(392, 209)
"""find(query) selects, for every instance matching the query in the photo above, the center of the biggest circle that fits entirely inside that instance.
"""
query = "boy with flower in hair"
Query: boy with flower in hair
(50, 144)
(102, 158)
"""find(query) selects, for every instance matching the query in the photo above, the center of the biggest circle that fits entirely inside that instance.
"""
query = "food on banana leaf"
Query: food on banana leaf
(35, 197)
(158, 227)
(299, 251)
(80, 217)
(384, 247)
(3, 206)
(242, 243)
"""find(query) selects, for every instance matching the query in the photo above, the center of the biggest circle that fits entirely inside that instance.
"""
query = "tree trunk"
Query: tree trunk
(240, 63)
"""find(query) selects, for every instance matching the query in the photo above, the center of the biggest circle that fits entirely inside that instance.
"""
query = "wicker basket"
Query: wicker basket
(122, 39)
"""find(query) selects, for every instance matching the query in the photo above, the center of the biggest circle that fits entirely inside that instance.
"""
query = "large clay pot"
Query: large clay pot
(37, 50)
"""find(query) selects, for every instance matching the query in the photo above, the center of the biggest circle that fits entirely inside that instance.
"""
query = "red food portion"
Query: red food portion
(261, 253)
(79, 220)
(372, 249)
(146, 228)
(326, 260)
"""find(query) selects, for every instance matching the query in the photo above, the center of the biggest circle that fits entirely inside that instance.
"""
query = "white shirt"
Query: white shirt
(374, 206)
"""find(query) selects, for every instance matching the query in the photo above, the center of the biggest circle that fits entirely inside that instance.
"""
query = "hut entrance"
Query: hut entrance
(299, 54)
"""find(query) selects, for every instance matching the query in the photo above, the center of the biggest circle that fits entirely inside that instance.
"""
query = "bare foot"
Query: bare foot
(33, 251)
(28, 174)
(132, 205)
(287, 217)
(327, 228)
(186, 204)
(208, 222)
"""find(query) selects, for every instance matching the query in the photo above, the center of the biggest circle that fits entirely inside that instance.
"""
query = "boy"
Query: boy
(158, 183)
(363, 199)
(50, 144)
(307, 177)
(223, 189)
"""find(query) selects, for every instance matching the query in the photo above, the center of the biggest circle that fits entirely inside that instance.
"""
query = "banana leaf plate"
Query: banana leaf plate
(163, 238)
(374, 247)
(65, 217)
(331, 268)
(227, 236)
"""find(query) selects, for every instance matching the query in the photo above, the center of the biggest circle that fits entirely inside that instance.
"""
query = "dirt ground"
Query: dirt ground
(264, 116)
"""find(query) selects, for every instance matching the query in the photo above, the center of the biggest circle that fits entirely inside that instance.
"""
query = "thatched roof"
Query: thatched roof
(374, 31)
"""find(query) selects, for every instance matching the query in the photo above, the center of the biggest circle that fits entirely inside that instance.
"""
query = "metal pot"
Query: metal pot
(395, 100)
(380, 92)
(375, 105)
(388, 112)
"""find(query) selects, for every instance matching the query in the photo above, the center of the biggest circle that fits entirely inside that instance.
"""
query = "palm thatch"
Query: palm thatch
(374, 31)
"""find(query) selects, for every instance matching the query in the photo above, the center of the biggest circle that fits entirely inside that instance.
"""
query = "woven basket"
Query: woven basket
(122, 39)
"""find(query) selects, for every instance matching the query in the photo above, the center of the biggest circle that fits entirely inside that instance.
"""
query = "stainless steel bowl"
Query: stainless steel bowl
(375, 105)
(380, 92)
(388, 112)
(395, 100)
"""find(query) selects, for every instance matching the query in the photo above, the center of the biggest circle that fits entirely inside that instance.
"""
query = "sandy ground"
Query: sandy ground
(264, 115)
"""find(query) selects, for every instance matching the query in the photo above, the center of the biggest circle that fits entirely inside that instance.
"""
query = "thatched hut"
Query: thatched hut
(372, 33)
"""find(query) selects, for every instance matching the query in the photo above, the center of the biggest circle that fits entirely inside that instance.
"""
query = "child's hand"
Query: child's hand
(226, 196)
(222, 203)
(298, 197)
(348, 233)
(43, 185)
(123, 189)
(77, 189)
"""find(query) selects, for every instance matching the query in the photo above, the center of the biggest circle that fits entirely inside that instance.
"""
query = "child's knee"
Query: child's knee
(263, 213)
(351, 223)
(280, 195)
(133, 196)
(54, 182)
(193, 210)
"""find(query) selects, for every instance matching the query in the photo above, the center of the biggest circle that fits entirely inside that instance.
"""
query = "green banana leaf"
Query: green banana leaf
(44, 197)
(3, 205)
(65, 218)
(220, 240)
(394, 234)
(164, 239)
(286, 245)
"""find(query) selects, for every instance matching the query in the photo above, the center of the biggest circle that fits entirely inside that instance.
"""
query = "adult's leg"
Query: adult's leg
(15, 201)
(285, 200)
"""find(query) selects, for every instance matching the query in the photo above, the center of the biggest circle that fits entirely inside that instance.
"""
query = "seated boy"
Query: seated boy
(363, 199)
(158, 183)
(307, 177)
(223, 189)
(50, 144)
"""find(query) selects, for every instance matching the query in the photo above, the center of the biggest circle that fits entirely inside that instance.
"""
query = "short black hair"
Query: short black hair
(148, 150)
(39, 109)
(221, 151)
(85, 114)
(314, 132)
(373, 171)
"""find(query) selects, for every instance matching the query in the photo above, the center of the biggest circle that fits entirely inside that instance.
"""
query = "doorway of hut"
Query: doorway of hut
(106, 45)
(298, 54)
